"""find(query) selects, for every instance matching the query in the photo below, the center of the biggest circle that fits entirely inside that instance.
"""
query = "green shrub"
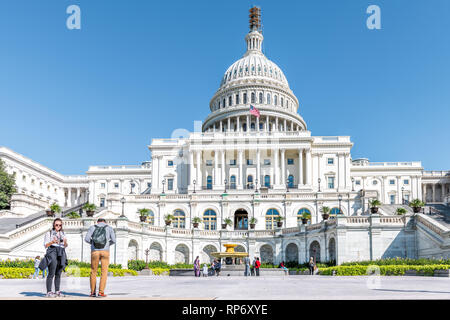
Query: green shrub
(385, 270)
(86, 272)
(29, 263)
(160, 271)
(16, 273)
(399, 261)
(139, 265)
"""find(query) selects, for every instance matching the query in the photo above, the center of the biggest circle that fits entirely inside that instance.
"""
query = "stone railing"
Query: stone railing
(264, 233)
(432, 225)
(357, 219)
(20, 232)
(290, 230)
(313, 227)
(391, 219)
(177, 231)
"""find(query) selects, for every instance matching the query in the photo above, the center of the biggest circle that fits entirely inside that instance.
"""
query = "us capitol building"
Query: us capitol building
(241, 165)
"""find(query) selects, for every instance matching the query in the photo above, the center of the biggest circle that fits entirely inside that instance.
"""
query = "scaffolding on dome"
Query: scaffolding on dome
(255, 18)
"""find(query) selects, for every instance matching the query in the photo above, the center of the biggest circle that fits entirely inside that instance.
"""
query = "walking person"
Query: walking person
(213, 266)
(55, 258)
(37, 261)
(282, 266)
(311, 265)
(101, 236)
(247, 266)
(257, 265)
(197, 267)
(252, 267)
(217, 267)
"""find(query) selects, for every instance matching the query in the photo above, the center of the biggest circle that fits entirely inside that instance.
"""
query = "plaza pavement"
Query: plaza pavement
(240, 288)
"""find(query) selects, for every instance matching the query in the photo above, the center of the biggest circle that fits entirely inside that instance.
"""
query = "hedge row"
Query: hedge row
(25, 273)
(392, 270)
(398, 261)
(139, 265)
(29, 263)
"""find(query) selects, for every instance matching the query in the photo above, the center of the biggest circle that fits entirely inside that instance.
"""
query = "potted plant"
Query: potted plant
(279, 220)
(401, 211)
(305, 217)
(49, 212)
(168, 219)
(73, 215)
(325, 213)
(90, 209)
(226, 222)
(416, 204)
(196, 221)
(253, 221)
(54, 208)
(143, 214)
(374, 204)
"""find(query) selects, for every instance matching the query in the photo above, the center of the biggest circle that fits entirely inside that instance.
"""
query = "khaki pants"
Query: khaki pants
(96, 257)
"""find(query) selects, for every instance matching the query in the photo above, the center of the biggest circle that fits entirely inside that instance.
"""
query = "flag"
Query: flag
(254, 111)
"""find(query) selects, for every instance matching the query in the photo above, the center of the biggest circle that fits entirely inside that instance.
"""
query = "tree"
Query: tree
(7, 187)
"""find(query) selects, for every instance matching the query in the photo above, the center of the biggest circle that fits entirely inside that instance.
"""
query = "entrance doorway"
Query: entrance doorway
(241, 220)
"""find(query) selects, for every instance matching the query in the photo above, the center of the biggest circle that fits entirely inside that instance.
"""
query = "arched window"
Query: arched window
(268, 98)
(260, 98)
(223, 103)
(282, 102)
(245, 98)
(267, 181)
(230, 101)
(244, 127)
(209, 182)
(210, 219)
(250, 182)
(301, 212)
(275, 100)
(291, 181)
(233, 182)
(253, 98)
(335, 211)
(260, 126)
(271, 215)
(237, 99)
(179, 220)
(252, 126)
(151, 217)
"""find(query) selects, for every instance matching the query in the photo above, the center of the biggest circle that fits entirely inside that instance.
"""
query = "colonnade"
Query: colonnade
(249, 123)
(435, 196)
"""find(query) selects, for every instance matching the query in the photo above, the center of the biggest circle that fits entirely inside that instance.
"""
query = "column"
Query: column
(283, 166)
(292, 125)
(240, 173)
(220, 126)
(434, 192)
(199, 173)
(383, 189)
(276, 123)
(257, 123)
(191, 169)
(340, 170)
(216, 168)
(223, 176)
(248, 123)
(300, 167)
(77, 200)
(275, 171)
(258, 166)
(424, 192)
(69, 197)
(229, 124)
(399, 191)
(238, 128)
(443, 192)
(308, 167)
(267, 123)
(285, 125)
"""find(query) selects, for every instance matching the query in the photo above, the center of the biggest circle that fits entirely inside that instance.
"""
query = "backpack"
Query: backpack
(99, 237)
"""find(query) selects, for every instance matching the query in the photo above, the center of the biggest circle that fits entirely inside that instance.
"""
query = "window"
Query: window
(392, 198)
(209, 182)
(102, 202)
(249, 162)
(170, 163)
(406, 181)
(330, 160)
(210, 219)
(268, 98)
(229, 101)
(102, 185)
(406, 198)
(271, 215)
(275, 100)
(169, 184)
(267, 162)
(250, 182)
(267, 181)
(209, 163)
(374, 182)
(301, 212)
(253, 98)
(149, 185)
(223, 103)
(252, 126)
(260, 126)
(391, 182)
(116, 185)
(282, 102)
(330, 182)
(290, 161)
(245, 98)
(237, 99)
(179, 220)
(151, 217)
(233, 182)
(358, 182)
(291, 181)
(244, 127)
(261, 98)
(335, 211)
(232, 162)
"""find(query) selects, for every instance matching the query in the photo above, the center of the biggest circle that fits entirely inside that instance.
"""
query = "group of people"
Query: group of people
(99, 236)
(216, 265)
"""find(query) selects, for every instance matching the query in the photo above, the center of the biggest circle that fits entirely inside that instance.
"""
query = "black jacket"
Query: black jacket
(52, 254)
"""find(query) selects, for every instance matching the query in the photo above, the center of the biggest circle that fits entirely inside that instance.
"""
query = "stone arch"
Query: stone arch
(205, 255)
(181, 253)
(292, 252)
(314, 250)
(332, 249)
(132, 251)
(155, 252)
(240, 248)
(266, 253)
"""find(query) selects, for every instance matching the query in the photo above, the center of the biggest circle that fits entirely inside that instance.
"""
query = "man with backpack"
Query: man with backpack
(100, 236)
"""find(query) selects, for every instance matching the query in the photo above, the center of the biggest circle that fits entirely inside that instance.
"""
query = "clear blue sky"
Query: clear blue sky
(139, 69)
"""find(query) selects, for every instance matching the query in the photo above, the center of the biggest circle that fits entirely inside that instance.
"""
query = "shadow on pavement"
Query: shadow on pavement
(397, 290)
(40, 294)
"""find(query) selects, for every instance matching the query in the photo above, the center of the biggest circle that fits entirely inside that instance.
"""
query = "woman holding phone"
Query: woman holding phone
(55, 258)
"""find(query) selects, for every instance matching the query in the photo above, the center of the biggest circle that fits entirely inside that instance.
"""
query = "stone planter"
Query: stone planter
(325, 216)
(168, 223)
(279, 224)
(304, 221)
(143, 218)
(195, 224)
(224, 225)
(416, 209)
(252, 226)
(374, 209)
(90, 213)
(50, 213)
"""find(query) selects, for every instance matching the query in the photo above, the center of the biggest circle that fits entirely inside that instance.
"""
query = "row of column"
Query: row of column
(279, 174)
(434, 197)
(238, 126)
(80, 196)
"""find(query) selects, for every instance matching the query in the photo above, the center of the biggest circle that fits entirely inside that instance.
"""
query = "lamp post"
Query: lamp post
(123, 208)
(403, 198)
(163, 182)
(353, 184)
(225, 184)
(256, 185)
(287, 185)
(318, 180)
(340, 199)
(194, 182)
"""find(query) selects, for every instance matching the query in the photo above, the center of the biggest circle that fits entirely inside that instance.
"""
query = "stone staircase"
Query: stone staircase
(391, 209)
(438, 212)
